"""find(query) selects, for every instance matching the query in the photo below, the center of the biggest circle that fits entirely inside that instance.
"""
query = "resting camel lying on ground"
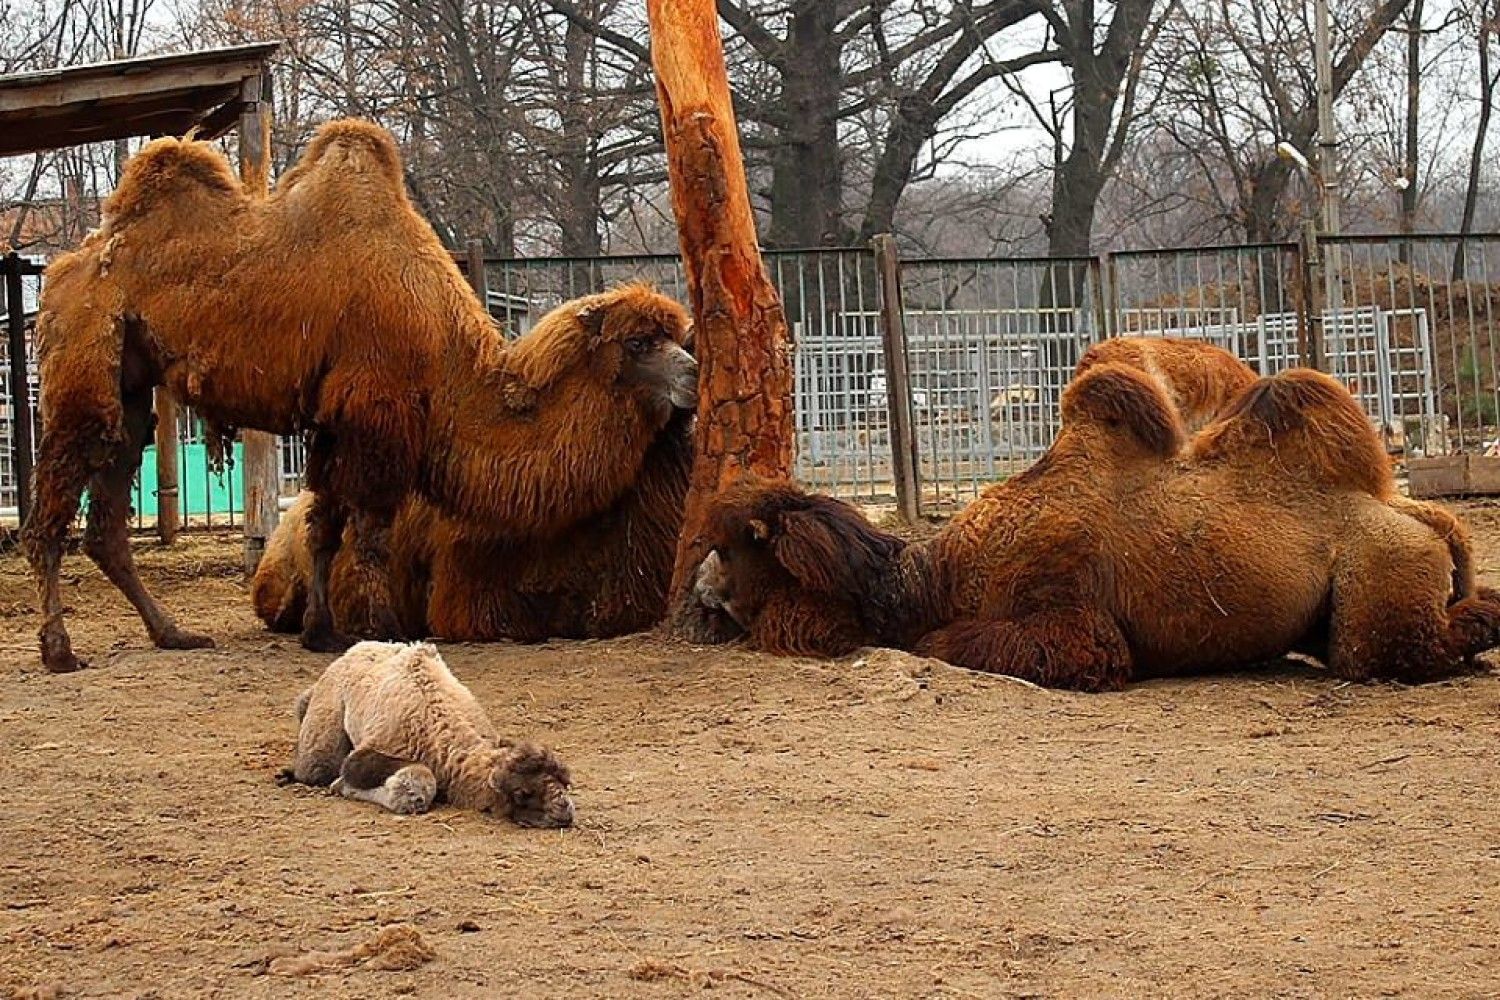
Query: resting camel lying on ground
(1120, 555)
(328, 308)
(389, 723)
(600, 574)
(1203, 380)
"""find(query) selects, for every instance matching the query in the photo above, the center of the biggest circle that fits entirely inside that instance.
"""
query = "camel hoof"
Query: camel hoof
(326, 640)
(178, 639)
(64, 663)
(57, 655)
(285, 776)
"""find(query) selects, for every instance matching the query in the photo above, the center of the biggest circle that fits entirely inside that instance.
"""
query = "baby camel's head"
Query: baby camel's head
(532, 787)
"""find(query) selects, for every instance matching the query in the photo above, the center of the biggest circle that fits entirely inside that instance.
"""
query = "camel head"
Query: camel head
(641, 341)
(627, 348)
(532, 787)
(779, 552)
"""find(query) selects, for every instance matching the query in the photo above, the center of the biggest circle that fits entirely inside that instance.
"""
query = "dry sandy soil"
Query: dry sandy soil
(876, 826)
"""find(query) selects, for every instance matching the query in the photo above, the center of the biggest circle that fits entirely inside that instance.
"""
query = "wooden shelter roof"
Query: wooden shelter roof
(148, 96)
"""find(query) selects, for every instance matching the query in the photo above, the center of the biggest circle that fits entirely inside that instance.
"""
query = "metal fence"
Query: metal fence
(1410, 323)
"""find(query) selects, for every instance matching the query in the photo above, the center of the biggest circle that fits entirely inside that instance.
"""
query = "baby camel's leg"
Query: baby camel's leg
(107, 536)
(1390, 620)
(394, 784)
(1080, 649)
(322, 743)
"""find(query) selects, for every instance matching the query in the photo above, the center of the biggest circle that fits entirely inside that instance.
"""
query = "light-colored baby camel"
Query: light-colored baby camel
(389, 723)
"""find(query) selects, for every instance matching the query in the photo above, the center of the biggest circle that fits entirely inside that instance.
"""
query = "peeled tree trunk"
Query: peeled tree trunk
(744, 354)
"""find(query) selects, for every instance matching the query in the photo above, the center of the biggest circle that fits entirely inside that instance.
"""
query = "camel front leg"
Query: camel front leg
(1078, 649)
(394, 784)
(372, 560)
(325, 532)
(106, 540)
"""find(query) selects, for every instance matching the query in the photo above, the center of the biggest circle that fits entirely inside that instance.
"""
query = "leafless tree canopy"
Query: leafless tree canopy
(964, 126)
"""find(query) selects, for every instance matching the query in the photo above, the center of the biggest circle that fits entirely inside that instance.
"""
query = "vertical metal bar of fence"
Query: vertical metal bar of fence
(20, 399)
(897, 383)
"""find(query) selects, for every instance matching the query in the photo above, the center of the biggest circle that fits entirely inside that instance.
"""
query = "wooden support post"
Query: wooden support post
(262, 466)
(904, 468)
(744, 354)
(479, 278)
(20, 398)
(1311, 306)
(168, 497)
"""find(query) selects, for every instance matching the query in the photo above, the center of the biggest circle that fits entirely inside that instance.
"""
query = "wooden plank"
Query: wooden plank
(1445, 475)
(56, 128)
(1484, 475)
(897, 378)
(88, 89)
(262, 465)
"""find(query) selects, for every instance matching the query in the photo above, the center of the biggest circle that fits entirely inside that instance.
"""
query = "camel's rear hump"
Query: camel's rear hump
(1308, 424)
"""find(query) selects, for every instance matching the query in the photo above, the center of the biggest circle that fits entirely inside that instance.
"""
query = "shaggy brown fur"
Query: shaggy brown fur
(1201, 379)
(382, 709)
(328, 307)
(455, 578)
(1205, 381)
(1118, 557)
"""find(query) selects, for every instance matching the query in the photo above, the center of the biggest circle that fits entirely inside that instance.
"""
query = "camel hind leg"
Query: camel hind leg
(1391, 618)
(66, 460)
(322, 743)
(106, 539)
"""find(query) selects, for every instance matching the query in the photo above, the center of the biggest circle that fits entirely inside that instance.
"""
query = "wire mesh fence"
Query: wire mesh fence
(1409, 323)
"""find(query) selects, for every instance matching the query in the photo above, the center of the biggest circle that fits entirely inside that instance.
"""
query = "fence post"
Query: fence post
(1310, 303)
(262, 456)
(168, 505)
(479, 279)
(897, 378)
(1106, 296)
(20, 397)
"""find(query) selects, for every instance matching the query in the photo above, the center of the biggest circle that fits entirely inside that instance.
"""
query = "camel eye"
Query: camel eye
(637, 345)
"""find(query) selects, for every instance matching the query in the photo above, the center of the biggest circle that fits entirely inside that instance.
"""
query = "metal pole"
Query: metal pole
(20, 397)
(897, 378)
(1328, 166)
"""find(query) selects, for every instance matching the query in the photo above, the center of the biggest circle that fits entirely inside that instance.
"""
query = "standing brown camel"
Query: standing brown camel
(328, 308)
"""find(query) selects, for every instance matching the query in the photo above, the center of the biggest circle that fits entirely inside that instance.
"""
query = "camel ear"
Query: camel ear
(591, 318)
(831, 549)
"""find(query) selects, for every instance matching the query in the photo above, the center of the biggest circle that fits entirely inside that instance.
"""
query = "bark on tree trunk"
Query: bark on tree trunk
(1413, 111)
(745, 395)
(807, 169)
(1487, 85)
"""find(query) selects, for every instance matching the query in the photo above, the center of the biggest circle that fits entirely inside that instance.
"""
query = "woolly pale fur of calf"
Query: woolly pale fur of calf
(370, 342)
(1122, 554)
(391, 724)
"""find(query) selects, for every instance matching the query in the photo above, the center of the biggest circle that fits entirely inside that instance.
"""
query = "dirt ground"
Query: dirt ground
(875, 826)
